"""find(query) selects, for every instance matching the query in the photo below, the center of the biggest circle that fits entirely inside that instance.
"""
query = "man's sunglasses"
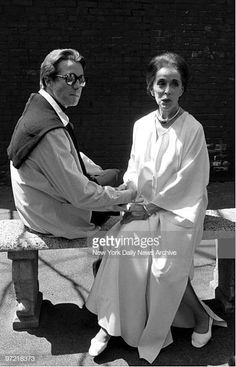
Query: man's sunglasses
(72, 78)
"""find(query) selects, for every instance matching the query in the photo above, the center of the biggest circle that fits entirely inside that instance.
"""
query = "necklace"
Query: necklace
(165, 121)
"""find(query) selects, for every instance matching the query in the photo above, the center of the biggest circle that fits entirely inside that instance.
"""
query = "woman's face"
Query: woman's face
(167, 88)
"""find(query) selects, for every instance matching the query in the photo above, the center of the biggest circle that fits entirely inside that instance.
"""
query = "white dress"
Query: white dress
(136, 295)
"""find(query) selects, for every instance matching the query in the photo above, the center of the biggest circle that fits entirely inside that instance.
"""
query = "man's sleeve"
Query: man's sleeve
(91, 167)
(59, 163)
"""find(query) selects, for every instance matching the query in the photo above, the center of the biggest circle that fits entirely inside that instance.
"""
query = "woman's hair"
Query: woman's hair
(49, 65)
(163, 60)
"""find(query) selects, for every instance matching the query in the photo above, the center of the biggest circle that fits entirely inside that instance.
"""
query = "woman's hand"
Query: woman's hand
(138, 211)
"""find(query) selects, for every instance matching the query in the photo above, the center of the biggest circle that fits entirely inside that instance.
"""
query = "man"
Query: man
(53, 192)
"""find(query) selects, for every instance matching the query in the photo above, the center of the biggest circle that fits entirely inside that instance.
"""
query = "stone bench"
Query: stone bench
(23, 245)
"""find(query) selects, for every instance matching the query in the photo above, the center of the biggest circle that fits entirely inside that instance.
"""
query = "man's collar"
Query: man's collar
(58, 108)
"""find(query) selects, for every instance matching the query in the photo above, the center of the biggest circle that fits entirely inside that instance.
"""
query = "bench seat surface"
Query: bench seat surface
(15, 237)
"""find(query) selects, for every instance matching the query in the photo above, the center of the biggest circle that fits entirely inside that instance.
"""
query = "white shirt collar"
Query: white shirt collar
(63, 117)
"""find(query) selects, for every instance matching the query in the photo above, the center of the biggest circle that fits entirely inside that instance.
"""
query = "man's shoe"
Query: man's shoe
(97, 347)
(199, 340)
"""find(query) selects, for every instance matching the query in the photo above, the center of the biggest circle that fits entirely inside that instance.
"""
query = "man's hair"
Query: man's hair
(163, 60)
(48, 67)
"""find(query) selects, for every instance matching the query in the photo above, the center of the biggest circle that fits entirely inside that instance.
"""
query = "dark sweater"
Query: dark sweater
(38, 119)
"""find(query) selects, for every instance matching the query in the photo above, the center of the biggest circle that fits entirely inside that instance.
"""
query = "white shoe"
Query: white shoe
(199, 340)
(97, 347)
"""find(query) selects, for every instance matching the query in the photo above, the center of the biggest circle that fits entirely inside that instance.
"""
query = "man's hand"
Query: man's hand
(133, 193)
(130, 186)
(122, 187)
(127, 185)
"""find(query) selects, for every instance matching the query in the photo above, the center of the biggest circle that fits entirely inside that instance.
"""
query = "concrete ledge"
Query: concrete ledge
(219, 224)
(15, 237)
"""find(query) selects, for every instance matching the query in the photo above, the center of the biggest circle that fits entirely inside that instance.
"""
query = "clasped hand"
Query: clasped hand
(130, 186)
(136, 211)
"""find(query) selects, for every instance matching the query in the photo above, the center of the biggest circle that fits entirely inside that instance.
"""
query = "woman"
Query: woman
(140, 297)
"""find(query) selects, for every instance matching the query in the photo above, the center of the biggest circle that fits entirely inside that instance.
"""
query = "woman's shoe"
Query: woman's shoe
(199, 340)
(97, 347)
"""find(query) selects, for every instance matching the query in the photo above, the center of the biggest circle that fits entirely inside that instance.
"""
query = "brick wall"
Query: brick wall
(117, 39)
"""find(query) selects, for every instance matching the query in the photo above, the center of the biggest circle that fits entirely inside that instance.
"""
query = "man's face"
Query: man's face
(66, 95)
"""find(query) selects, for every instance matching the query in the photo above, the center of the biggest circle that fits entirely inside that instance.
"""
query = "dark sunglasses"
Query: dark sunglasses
(72, 78)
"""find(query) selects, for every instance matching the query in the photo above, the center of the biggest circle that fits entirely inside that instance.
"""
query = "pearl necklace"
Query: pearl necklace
(165, 121)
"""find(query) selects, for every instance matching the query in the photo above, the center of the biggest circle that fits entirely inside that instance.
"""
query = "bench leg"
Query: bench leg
(25, 280)
(225, 292)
